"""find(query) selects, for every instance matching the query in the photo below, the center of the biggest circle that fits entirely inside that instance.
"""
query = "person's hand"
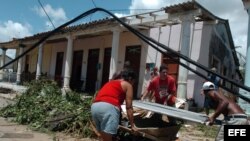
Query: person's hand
(142, 97)
(134, 130)
(210, 121)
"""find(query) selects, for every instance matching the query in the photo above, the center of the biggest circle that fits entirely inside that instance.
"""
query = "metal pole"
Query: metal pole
(244, 105)
(247, 70)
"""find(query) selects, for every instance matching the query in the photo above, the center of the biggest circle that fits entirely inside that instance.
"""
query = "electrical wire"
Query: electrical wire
(46, 14)
(94, 3)
(146, 39)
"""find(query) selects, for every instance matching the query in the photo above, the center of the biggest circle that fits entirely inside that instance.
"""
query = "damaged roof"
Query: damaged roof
(204, 15)
(139, 21)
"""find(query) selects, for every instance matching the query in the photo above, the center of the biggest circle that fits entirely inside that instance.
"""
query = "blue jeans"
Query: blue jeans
(105, 116)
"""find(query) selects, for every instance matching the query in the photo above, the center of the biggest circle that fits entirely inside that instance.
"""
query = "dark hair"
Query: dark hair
(128, 75)
(163, 67)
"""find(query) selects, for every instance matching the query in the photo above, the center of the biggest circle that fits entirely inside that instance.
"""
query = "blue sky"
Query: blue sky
(29, 14)
(20, 18)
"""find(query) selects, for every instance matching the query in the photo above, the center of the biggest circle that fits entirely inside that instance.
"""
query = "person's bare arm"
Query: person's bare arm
(129, 106)
(222, 105)
(145, 94)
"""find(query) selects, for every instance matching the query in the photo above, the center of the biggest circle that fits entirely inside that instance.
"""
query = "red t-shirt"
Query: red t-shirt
(112, 93)
(162, 88)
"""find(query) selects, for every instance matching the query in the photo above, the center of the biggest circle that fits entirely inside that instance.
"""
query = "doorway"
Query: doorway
(172, 62)
(75, 80)
(58, 71)
(106, 65)
(92, 69)
(133, 55)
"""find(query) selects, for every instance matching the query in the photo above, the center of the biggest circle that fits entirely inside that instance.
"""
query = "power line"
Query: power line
(90, 18)
(46, 14)
(131, 9)
(150, 41)
(94, 3)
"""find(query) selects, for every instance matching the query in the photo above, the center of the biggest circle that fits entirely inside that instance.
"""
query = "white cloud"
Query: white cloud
(230, 10)
(150, 4)
(10, 29)
(120, 15)
(58, 16)
(145, 4)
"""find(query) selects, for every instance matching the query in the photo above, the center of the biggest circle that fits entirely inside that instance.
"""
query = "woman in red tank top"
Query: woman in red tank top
(105, 110)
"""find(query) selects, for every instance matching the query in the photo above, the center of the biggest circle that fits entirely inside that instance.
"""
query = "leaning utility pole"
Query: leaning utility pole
(244, 104)
(247, 70)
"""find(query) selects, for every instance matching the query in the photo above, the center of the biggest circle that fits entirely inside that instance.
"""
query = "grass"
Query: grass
(200, 130)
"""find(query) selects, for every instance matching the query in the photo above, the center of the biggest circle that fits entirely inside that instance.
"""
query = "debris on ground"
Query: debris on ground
(42, 107)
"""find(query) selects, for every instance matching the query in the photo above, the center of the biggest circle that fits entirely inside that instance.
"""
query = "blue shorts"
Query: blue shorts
(105, 116)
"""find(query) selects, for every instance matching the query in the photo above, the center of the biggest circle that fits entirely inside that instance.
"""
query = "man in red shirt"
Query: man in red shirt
(163, 88)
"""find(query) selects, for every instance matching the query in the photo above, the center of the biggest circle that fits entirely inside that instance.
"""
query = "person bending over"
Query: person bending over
(233, 114)
(106, 107)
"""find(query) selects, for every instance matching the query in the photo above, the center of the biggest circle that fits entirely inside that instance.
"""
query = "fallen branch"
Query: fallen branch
(94, 129)
(145, 135)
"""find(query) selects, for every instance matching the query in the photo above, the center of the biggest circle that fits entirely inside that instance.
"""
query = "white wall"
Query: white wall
(199, 49)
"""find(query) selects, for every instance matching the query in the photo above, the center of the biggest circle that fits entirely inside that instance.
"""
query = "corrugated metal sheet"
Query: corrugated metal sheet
(171, 111)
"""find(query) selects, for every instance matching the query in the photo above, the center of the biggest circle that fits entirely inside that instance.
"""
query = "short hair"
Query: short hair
(163, 67)
(128, 75)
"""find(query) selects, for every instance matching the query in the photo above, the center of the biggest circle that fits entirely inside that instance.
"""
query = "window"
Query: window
(215, 63)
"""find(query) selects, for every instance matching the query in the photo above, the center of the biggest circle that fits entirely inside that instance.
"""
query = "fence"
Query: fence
(9, 77)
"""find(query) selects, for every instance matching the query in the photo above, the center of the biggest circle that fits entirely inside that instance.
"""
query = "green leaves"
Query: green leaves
(43, 107)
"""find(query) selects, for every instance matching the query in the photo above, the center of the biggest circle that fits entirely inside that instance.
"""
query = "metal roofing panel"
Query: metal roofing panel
(171, 111)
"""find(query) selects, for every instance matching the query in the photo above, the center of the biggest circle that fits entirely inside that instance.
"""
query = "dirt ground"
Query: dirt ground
(193, 132)
(10, 131)
(13, 132)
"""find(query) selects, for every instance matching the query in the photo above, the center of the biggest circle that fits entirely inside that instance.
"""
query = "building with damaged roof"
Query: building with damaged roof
(84, 57)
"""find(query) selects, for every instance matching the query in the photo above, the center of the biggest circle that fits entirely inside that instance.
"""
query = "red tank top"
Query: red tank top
(112, 93)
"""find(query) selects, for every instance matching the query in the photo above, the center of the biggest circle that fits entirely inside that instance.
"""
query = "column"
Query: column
(245, 105)
(185, 45)
(68, 63)
(114, 52)
(19, 65)
(2, 62)
(39, 62)
(247, 70)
